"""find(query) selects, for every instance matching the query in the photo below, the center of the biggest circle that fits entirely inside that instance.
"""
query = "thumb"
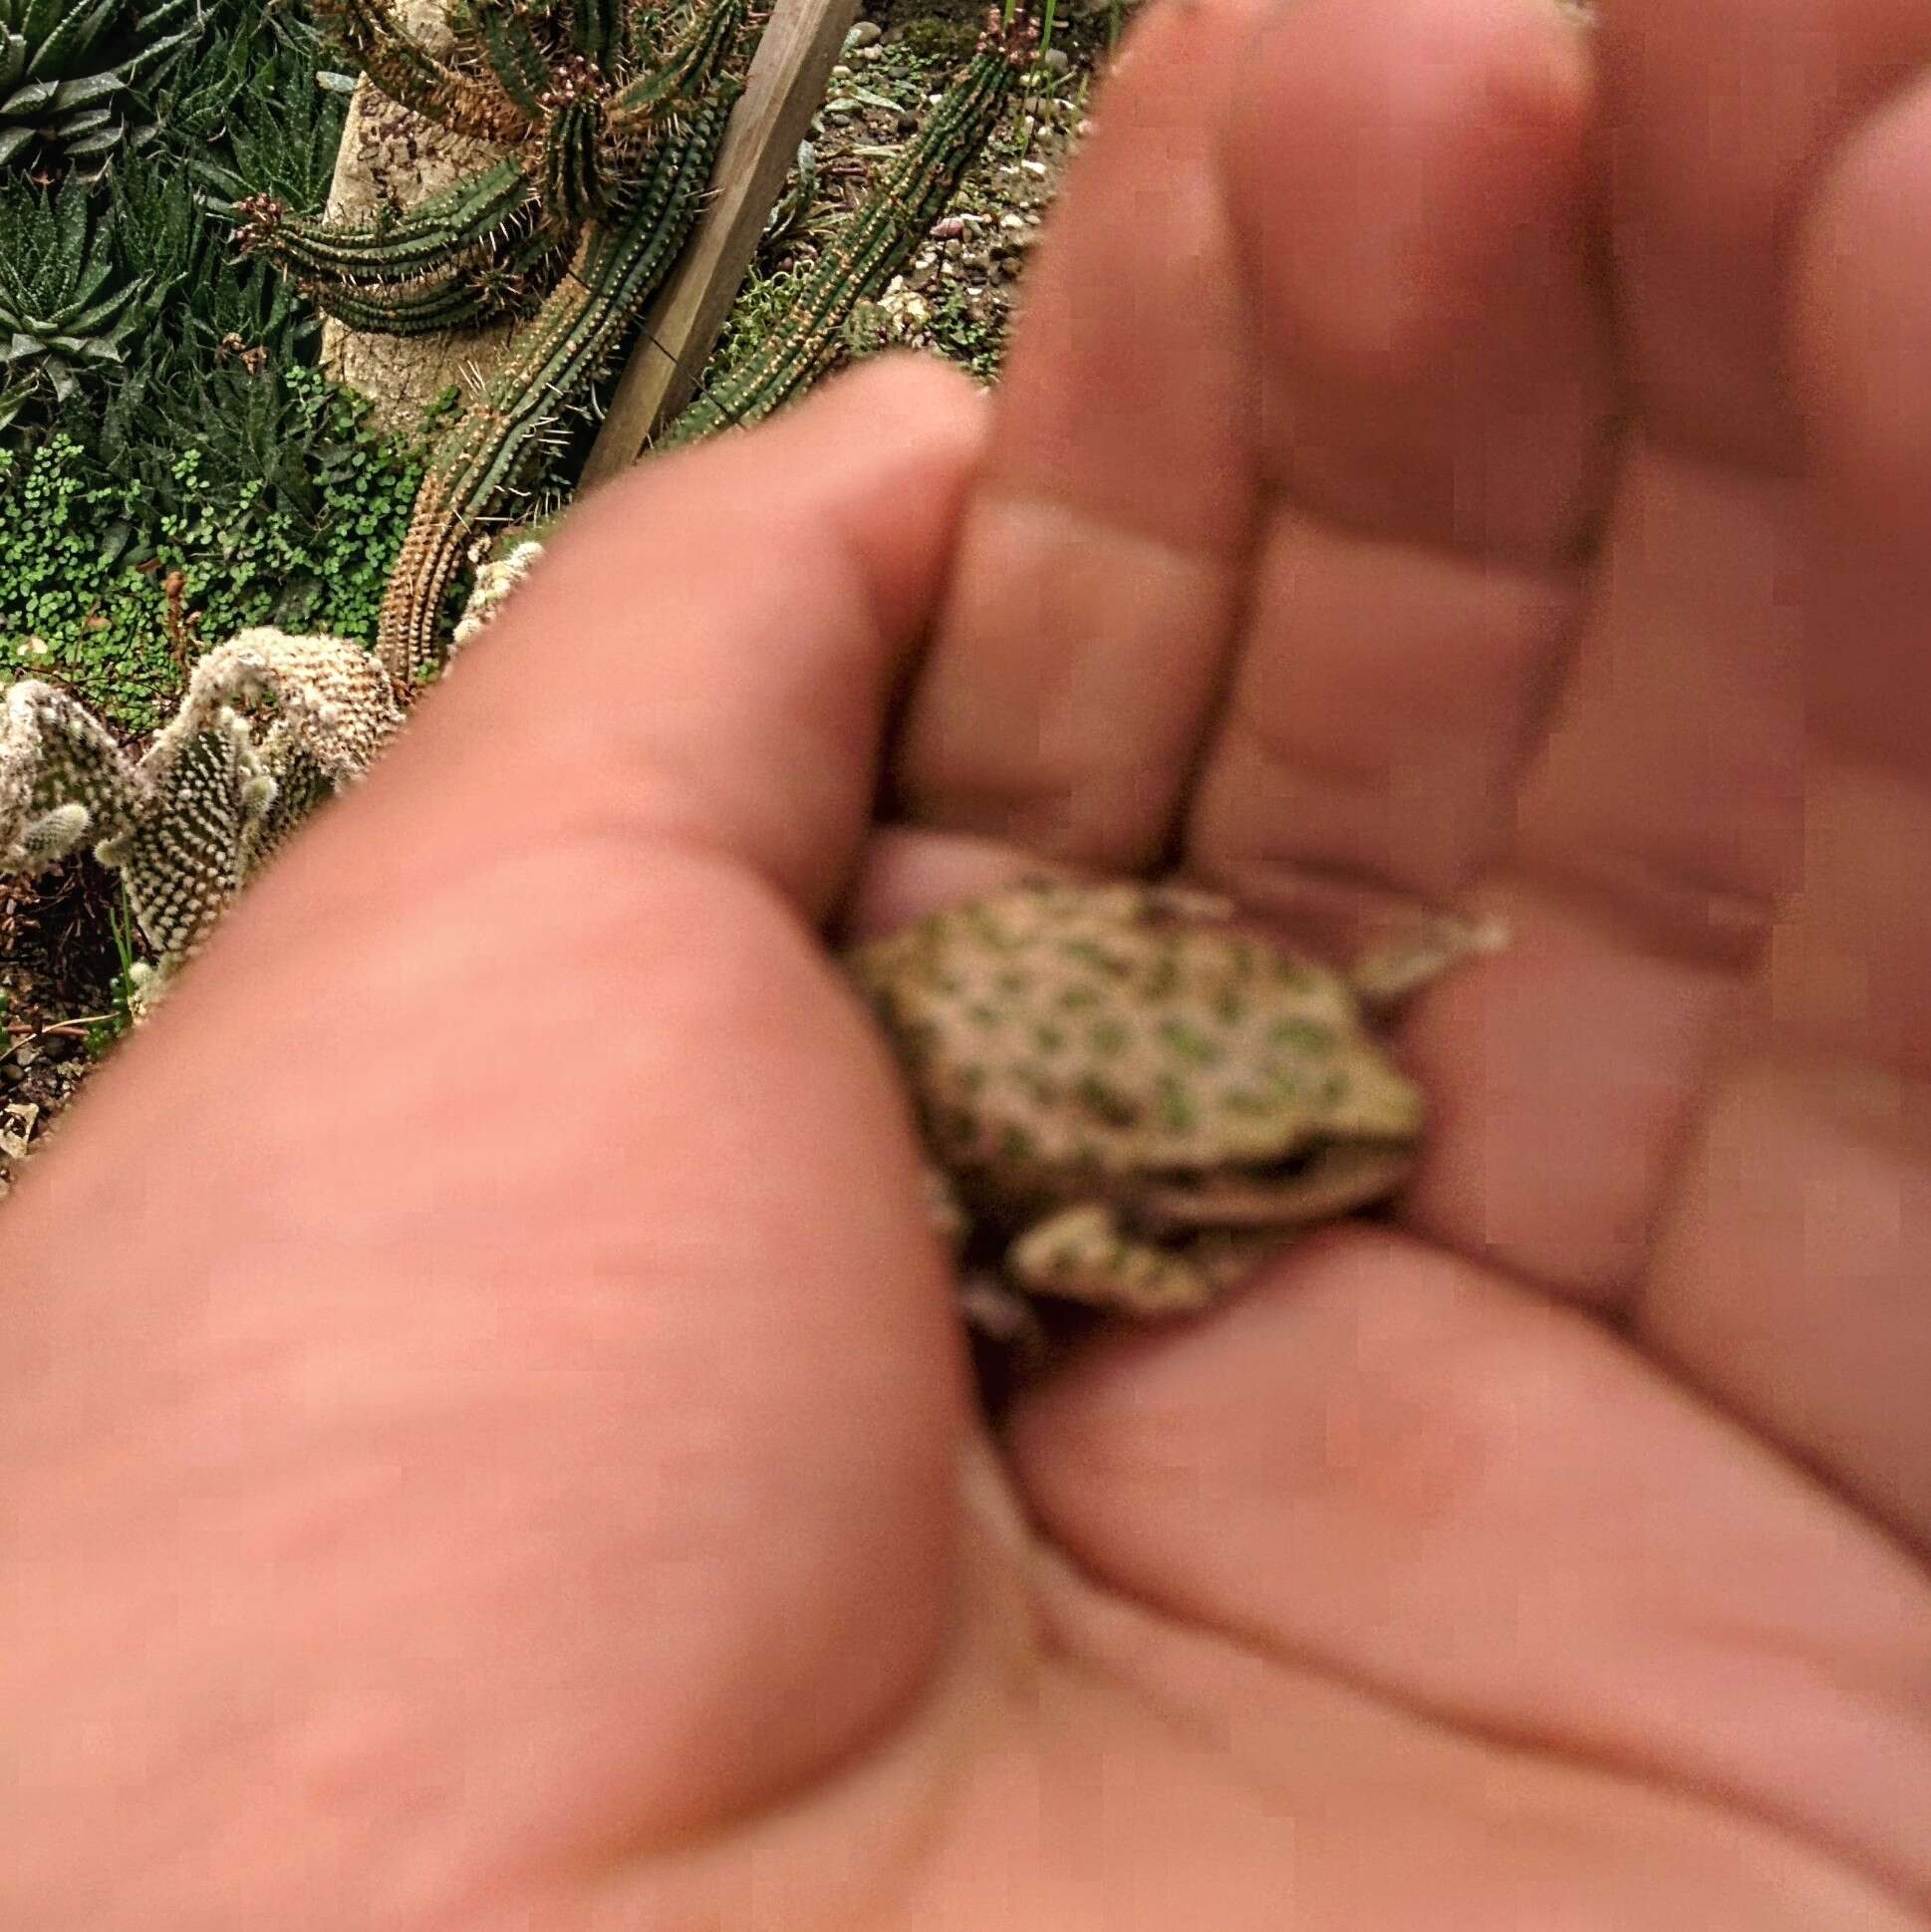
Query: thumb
(488, 1314)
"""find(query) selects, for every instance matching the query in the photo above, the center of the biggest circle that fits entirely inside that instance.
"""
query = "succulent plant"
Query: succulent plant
(610, 113)
(72, 76)
(269, 728)
(875, 241)
(611, 119)
(253, 119)
(66, 308)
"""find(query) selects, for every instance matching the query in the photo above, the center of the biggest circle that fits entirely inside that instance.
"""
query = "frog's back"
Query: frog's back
(1059, 1034)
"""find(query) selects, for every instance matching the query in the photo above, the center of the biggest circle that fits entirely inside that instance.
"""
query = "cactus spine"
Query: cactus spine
(875, 241)
(473, 468)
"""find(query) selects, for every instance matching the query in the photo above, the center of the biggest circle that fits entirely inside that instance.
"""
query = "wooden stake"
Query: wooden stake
(785, 87)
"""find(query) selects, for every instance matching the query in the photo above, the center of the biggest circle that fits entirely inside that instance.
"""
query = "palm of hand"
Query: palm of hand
(571, 1531)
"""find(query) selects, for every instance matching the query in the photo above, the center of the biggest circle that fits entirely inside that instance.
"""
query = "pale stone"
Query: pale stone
(390, 155)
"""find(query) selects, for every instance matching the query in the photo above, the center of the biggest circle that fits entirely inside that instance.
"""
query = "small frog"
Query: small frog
(1132, 1096)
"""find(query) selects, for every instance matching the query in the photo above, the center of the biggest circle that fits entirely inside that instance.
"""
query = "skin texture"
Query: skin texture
(483, 1439)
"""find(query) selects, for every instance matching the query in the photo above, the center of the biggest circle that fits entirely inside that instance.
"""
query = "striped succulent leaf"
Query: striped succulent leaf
(73, 75)
(65, 307)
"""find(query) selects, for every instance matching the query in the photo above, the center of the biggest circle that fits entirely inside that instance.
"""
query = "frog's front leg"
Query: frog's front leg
(1084, 1255)
(944, 1211)
(988, 1306)
(1392, 971)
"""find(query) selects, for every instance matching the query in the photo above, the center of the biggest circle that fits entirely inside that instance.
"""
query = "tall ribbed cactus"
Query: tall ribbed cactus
(613, 113)
(875, 242)
(473, 468)
(613, 124)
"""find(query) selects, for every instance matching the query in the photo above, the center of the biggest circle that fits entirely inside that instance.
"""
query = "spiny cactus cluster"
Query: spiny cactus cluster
(611, 114)
(876, 241)
(270, 725)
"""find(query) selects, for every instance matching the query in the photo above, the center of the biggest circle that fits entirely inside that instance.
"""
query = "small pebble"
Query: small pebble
(864, 34)
(1056, 59)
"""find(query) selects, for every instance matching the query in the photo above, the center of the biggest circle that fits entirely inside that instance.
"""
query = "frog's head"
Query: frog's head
(1310, 1120)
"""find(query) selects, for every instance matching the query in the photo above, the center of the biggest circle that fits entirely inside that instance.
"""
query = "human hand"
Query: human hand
(482, 1432)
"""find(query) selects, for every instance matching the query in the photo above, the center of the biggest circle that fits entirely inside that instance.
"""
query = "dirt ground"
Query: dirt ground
(57, 966)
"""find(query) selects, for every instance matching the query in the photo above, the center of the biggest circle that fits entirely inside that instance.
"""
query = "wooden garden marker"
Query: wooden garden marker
(783, 90)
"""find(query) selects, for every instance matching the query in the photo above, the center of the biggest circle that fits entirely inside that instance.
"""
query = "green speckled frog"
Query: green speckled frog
(1132, 1095)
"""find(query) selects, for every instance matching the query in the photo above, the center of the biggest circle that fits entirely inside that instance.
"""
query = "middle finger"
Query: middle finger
(1421, 294)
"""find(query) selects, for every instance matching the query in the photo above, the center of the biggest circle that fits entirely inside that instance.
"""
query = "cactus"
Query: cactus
(269, 726)
(615, 145)
(474, 467)
(612, 122)
(611, 139)
(875, 242)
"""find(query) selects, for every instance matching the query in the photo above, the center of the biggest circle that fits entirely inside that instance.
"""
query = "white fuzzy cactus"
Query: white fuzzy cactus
(270, 725)
(494, 581)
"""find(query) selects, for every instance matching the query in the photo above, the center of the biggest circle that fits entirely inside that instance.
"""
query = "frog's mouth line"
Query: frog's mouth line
(1333, 1180)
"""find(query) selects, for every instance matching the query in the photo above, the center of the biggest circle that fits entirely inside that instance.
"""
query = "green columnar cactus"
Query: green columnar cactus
(447, 91)
(613, 120)
(875, 242)
(474, 468)
(613, 140)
